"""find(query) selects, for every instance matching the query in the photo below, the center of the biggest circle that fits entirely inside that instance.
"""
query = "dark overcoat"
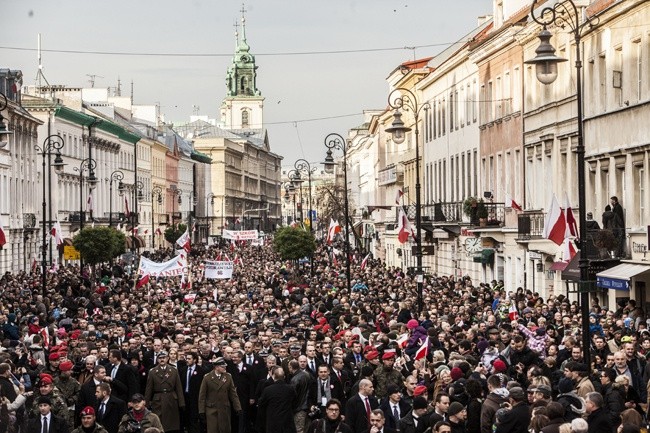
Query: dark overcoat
(217, 397)
(164, 393)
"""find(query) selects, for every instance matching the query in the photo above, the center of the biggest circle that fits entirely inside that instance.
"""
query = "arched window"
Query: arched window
(244, 118)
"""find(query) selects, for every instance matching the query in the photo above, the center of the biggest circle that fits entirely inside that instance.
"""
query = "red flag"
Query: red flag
(3, 239)
(571, 224)
(512, 312)
(364, 262)
(404, 226)
(184, 241)
(158, 231)
(398, 196)
(511, 203)
(402, 342)
(142, 281)
(57, 233)
(423, 351)
(189, 298)
(554, 223)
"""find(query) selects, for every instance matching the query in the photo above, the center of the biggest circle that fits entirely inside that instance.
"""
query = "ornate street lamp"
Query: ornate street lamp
(116, 176)
(156, 194)
(89, 165)
(401, 98)
(566, 15)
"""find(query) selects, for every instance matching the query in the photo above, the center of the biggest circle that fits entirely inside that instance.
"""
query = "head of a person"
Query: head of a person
(517, 395)
(333, 409)
(277, 373)
(102, 391)
(554, 410)
(442, 402)
(593, 401)
(442, 427)
(457, 411)
(138, 403)
(366, 387)
(631, 416)
(88, 417)
(377, 419)
(220, 365)
(323, 372)
(579, 425)
(44, 405)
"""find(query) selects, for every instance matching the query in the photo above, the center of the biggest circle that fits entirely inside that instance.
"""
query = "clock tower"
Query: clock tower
(243, 106)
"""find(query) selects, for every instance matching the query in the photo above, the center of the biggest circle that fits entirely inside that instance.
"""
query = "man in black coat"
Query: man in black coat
(122, 377)
(393, 407)
(244, 380)
(191, 377)
(416, 421)
(276, 405)
(87, 393)
(517, 419)
(324, 388)
(55, 424)
(599, 420)
(359, 406)
(109, 409)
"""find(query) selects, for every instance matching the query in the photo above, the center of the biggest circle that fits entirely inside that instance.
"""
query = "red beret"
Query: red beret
(372, 355)
(419, 390)
(456, 373)
(88, 410)
(325, 328)
(54, 356)
(499, 366)
(66, 366)
(388, 355)
(46, 379)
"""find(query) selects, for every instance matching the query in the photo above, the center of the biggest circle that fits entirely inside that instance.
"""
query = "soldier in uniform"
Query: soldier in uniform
(68, 387)
(217, 396)
(89, 422)
(46, 389)
(386, 375)
(165, 393)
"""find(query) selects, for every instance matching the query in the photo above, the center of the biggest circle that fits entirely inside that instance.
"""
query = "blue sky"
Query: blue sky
(298, 88)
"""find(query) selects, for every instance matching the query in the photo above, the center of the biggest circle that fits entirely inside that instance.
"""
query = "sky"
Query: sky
(320, 62)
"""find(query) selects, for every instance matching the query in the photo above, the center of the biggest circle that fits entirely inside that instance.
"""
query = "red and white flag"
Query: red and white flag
(423, 351)
(194, 227)
(158, 231)
(513, 314)
(184, 241)
(569, 250)
(402, 341)
(571, 223)
(126, 207)
(404, 227)
(142, 281)
(398, 197)
(511, 203)
(3, 238)
(333, 229)
(237, 221)
(554, 223)
(364, 262)
(57, 233)
(189, 298)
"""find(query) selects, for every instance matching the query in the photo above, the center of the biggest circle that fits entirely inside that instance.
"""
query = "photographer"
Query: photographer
(139, 418)
(517, 417)
(332, 422)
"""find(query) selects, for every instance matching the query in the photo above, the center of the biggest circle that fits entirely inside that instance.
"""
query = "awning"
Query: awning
(67, 242)
(486, 256)
(618, 277)
(559, 266)
(372, 208)
(139, 242)
(127, 242)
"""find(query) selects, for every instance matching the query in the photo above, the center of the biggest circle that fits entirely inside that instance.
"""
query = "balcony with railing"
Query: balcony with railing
(390, 175)
(530, 225)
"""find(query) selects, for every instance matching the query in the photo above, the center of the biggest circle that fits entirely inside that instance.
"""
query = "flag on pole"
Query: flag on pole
(333, 229)
(398, 196)
(3, 238)
(404, 227)
(569, 250)
(511, 203)
(554, 223)
(158, 231)
(142, 281)
(402, 341)
(513, 314)
(184, 241)
(571, 223)
(364, 262)
(57, 233)
(423, 351)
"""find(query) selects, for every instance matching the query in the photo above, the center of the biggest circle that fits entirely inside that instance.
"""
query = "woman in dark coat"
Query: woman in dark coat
(276, 405)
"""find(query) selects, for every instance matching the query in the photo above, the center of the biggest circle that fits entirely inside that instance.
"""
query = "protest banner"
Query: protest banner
(218, 269)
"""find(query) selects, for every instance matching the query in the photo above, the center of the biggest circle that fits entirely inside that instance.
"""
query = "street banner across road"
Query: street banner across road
(241, 235)
(171, 268)
(218, 270)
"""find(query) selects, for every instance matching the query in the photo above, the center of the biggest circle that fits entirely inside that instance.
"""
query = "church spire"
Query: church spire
(241, 78)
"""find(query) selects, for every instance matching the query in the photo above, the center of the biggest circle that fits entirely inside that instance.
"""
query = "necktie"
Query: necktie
(102, 408)
(338, 373)
(187, 384)
(368, 408)
(312, 366)
(114, 372)
(250, 360)
(45, 429)
(415, 420)
(395, 413)
(357, 357)
(322, 390)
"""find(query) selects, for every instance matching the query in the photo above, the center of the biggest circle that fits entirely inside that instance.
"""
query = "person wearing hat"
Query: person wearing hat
(89, 422)
(416, 420)
(69, 387)
(393, 406)
(45, 388)
(580, 374)
(386, 375)
(217, 397)
(517, 417)
(139, 418)
(46, 420)
(541, 395)
(457, 417)
(54, 359)
(165, 392)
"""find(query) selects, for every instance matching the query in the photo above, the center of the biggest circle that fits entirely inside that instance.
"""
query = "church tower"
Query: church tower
(243, 106)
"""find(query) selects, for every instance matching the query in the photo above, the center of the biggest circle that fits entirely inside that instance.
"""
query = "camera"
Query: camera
(133, 426)
(314, 412)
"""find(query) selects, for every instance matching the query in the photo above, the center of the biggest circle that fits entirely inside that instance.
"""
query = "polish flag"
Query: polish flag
(364, 262)
(142, 281)
(333, 229)
(554, 223)
(423, 351)
(404, 227)
(513, 314)
(571, 224)
(57, 233)
(402, 341)
(511, 203)
(184, 241)
(569, 250)
(189, 298)
(238, 260)
(398, 196)
(158, 231)
(3, 238)
(237, 221)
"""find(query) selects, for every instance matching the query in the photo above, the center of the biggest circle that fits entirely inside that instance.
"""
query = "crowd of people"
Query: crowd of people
(281, 348)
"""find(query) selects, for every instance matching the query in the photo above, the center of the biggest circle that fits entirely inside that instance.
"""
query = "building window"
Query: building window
(641, 198)
(638, 67)
(244, 118)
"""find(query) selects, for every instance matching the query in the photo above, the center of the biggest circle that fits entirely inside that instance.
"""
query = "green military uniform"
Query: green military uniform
(385, 376)
(69, 389)
(98, 429)
(59, 407)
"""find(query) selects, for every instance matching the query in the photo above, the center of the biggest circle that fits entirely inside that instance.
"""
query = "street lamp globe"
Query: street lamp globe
(398, 129)
(92, 181)
(120, 188)
(545, 61)
(328, 164)
(58, 164)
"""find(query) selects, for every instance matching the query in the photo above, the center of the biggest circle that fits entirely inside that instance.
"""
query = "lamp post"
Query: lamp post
(302, 167)
(289, 192)
(179, 193)
(296, 181)
(156, 193)
(86, 164)
(566, 14)
(118, 176)
(137, 196)
(208, 218)
(398, 99)
(335, 141)
(52, 142)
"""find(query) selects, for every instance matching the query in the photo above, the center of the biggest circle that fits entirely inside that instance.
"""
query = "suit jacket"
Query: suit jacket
(276, 407)
(126, 381)
(244, 382)
(258, 368)
(335, 389)
(86, 398)
(407, 424)
(308, 369)
(345, 381)
(321, 359)
(355, 413)
(57, 425)
(387, 408)
(191, 397)
(115, 410)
